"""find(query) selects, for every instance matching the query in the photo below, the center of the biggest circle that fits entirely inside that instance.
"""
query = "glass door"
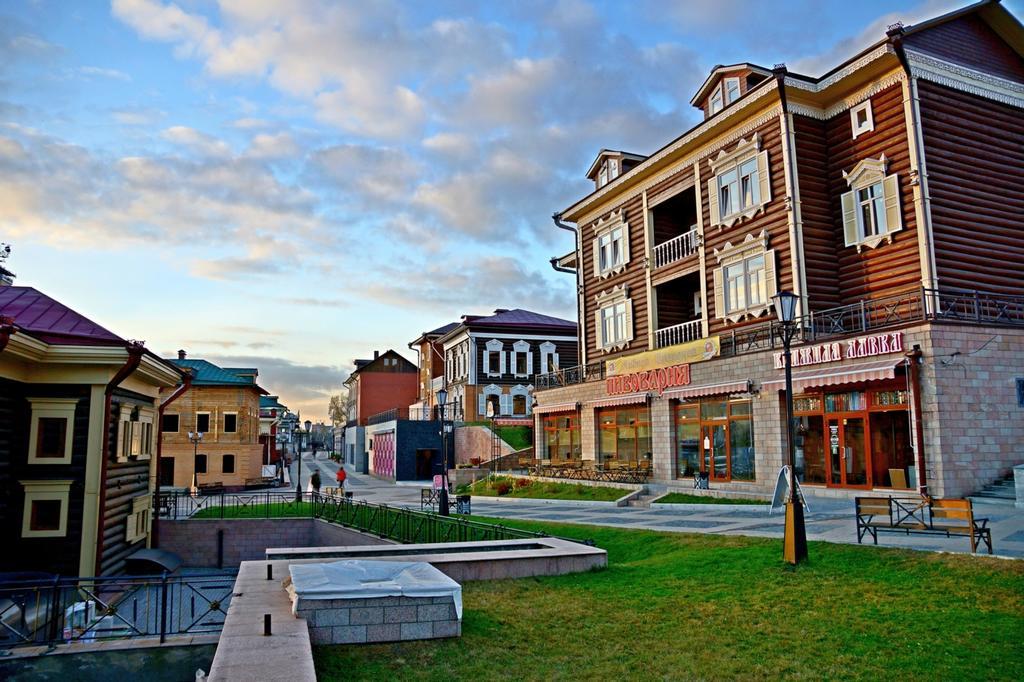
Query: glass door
(847, 452)
(716, 456)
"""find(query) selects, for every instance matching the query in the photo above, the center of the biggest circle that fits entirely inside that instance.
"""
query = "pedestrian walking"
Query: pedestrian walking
(315, 481)
(341, 476)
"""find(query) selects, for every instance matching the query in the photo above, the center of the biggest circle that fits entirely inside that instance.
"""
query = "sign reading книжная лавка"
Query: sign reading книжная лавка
(861, 347)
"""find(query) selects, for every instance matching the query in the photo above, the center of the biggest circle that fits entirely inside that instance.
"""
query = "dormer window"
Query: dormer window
(717, 103)
(608, 172)
(732, 90)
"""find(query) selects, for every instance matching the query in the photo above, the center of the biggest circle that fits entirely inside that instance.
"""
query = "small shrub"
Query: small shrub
(503, 487)
(523, 483)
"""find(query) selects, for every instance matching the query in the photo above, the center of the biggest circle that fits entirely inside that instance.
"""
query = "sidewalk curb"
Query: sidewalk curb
(541, 500)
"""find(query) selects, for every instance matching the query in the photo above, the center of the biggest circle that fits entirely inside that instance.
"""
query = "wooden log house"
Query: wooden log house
(887, 194)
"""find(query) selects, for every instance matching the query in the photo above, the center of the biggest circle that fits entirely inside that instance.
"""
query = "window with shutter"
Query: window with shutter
(614, 319)
(746, 279)
(741, 186)
(871, 209)
(611, 245)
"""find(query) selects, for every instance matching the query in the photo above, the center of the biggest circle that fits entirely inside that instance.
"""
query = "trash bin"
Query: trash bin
(462, 504)
(348, 495)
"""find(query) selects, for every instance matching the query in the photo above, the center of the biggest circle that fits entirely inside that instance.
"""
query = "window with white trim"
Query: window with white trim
(871, 209)
(861, 120)
(51, 430)
(523, 361)
(611, 245)
(732, 90)
(548, 357)
(717, 103)
(45, 510)
(137, 524)
(230, 422)
(494, 358)
(745, 280)
(608, 171)
(614, 319)
(741, 186)
(202, 422)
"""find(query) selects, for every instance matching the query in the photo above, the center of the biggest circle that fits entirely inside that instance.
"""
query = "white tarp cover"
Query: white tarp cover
(357, 579)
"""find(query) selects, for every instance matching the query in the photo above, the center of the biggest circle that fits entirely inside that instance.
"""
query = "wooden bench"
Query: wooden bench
(921, 515)
(211, 487)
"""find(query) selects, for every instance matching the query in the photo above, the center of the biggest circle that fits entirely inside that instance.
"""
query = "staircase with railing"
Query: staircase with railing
(675, 249)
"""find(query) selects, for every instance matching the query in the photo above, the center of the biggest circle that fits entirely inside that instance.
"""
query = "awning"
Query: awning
(707, 389)
(835, 376)
(628, 399)
(556, 407)
(151, 562)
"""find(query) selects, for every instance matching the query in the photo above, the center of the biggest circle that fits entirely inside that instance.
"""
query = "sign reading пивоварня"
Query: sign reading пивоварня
(657, 370)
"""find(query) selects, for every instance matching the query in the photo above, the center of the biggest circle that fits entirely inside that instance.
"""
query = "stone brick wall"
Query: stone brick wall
(973, 428)
(381, 619)
(475, 441)
(196, 540)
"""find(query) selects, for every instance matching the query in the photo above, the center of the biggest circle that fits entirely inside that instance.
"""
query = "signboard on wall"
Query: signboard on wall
(861, 347)
(654, 380)
(683, 354)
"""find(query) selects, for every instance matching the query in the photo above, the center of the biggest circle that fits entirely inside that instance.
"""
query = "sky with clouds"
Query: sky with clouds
(293, 184)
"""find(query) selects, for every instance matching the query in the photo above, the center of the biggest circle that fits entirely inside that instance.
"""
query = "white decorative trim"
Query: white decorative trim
(47, 490)
(869, 119)
(744, 149)
(842, 72)
(866, 172)
(703, 153)
(750, 244)
(965, 79)
(51, 408)
(850, 101)
(745, 103)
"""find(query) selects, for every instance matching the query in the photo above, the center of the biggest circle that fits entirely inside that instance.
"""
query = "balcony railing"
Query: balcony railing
(675, 249)
(678, 333)
(452, 412)
(901, 309)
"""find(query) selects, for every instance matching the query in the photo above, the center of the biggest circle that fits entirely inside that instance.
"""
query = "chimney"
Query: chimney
(181, 355)
(376, 354)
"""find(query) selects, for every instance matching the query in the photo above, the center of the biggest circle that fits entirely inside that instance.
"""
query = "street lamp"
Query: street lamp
(298, 457)
(442, 502)
(794, 543)
(195, 438)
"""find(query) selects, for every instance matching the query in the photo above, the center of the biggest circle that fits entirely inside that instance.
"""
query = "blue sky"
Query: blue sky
(291, 185)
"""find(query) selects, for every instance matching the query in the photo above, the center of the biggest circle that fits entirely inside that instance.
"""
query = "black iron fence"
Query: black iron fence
(395, 523)
(64, 610)
(899, 309)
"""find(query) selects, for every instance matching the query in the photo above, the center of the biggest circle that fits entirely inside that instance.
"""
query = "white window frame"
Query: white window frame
(726, 82)
(514, 392)
(487, 392)
(750, 248)
(604, 230)
(717, 101)
(867, 174)
(41, 491)
(548, 349)
(137, 523)
(616, 303)
(521, 347)
(738, 162)
(51, 408)
(494, 346)
(209, 422)
(869, 122)
(608, 170)
(224, 416)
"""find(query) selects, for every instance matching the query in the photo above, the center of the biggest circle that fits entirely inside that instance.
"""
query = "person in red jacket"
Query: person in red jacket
(341, 476)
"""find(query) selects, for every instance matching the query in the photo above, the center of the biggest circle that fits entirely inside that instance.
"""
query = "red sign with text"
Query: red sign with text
(649, 380)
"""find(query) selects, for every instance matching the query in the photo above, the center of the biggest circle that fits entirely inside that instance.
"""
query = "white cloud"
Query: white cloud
(104, 73)
(196, 141)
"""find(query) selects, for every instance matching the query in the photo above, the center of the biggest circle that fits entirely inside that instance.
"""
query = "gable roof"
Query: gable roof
(514, 320)
(205, 373)
(434, 334)
(630, 156)
(364, 365)
(270, 402)
(720, 70)
(50, 320)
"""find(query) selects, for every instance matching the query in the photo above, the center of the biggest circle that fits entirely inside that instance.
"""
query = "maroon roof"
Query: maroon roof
(517, 317)
(48, 320)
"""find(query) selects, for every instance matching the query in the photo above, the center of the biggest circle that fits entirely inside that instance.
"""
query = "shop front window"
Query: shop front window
(717, 437)
(562, 438)
(625, 439)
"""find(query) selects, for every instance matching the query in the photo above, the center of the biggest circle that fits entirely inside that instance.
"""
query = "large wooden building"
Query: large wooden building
(888, 194)
(78, 405)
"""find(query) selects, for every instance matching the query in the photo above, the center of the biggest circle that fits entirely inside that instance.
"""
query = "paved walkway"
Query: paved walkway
(829, 520)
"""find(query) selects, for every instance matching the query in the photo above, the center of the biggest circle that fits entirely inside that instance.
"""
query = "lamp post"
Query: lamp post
(298, 458)
(442, 500)
(195, 438)
(794, 543)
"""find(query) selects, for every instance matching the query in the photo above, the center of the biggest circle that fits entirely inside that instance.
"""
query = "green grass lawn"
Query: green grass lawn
(489, 487)
(676, 606)
(274, 510)
(518, 437)
(684, 498)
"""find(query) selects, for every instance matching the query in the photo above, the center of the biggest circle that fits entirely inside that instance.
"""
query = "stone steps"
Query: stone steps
(1002, 492)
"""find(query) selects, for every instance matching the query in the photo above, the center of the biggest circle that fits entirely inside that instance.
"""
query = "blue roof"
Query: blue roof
(270, 401)
(205, 373)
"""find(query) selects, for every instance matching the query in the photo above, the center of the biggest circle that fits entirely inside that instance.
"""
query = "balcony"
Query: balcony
(946, 306)
(675, 249)
(678, 333)
(452, 412)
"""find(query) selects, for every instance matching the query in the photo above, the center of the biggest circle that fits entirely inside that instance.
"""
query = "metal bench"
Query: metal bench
(920, 515)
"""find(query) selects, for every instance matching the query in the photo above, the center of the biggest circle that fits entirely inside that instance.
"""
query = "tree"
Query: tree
(337, 409)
